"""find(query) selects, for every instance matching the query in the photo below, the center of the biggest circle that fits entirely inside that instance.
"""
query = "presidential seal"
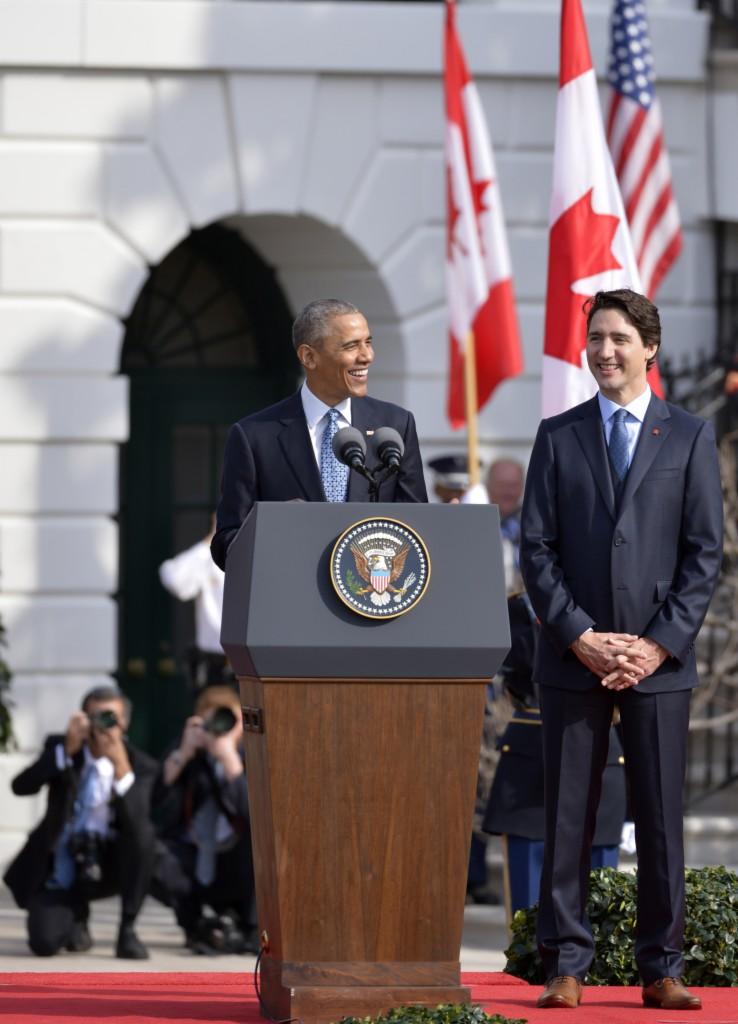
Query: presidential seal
(380, 568)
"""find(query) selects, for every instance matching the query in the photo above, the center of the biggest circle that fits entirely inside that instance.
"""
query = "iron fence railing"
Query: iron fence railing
(697, 384)
(713, 729)
(724, 12)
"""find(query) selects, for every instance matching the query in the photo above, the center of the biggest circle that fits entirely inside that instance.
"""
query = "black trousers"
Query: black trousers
(575, 741)
(126, 864)
(174, 882)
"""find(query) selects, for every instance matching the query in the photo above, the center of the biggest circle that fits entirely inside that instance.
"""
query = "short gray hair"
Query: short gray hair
(312, 325)
(101, 694)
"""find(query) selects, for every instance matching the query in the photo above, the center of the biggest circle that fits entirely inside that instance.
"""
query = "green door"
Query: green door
(184, 394)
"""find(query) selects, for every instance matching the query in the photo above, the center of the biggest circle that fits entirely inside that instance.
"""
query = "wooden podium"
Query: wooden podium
(362, 748)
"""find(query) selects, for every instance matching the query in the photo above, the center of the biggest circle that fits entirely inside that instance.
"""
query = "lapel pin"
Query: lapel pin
(369, 433)
(655, 431)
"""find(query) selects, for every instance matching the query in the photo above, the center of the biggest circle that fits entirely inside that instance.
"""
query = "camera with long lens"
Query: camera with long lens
(86, 850)
(220, 722)
(104, 719)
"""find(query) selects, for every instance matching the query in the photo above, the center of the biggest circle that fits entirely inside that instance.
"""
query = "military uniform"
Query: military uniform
(515, 806)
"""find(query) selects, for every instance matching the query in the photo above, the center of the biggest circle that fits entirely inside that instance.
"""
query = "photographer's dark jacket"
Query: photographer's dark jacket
(130, 813)
(176, 805)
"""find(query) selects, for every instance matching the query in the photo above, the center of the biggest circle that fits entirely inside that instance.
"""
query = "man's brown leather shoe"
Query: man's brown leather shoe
(561, 991)
(670, 994)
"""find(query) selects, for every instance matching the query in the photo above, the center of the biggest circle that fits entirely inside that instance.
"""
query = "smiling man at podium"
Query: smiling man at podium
(285, 452)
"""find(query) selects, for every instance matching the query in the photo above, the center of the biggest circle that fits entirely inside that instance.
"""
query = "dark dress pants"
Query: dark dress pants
(174, 882)
(126, 871)
(576, 728)
(524, 864)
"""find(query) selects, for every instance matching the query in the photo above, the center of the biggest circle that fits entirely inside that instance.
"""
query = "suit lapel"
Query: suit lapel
(298, 450)
(591, 435)
(361, 418)
(656, 428)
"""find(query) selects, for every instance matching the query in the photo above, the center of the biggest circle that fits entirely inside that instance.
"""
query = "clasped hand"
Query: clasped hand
(620, 660)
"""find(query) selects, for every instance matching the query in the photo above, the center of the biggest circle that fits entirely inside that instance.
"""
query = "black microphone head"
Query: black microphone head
(349, 445)
(389, 446)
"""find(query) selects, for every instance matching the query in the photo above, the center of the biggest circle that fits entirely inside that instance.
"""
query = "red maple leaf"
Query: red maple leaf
(453, 215)
(478, 190)
(580, 246)
(479, 199)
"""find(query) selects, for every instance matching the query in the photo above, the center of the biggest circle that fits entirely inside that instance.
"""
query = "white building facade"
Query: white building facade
(315, 131)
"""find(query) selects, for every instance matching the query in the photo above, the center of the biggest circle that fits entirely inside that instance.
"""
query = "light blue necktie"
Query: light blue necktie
(333, 474)
(64, 871)
(618, 446)
(204, 824)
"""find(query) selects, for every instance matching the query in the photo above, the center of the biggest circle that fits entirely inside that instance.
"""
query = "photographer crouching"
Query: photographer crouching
(95, 839)
(204, 869)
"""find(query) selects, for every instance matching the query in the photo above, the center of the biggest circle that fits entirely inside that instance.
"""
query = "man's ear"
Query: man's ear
(306, 355)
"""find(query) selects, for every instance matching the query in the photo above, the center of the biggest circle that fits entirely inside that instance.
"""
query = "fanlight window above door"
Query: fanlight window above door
(200, 307)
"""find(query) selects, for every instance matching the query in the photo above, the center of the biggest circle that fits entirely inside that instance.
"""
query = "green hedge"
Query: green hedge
(7, 739)
(710, 936)
(446, 1013)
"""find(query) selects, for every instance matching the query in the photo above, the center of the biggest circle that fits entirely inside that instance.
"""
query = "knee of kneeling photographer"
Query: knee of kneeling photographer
(99, 790)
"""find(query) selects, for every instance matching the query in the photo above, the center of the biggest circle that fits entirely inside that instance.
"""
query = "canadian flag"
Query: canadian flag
(480, 291)
(590, 247)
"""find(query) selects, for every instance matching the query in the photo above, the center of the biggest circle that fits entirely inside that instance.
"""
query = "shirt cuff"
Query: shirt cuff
(62, 761)
(121, 786)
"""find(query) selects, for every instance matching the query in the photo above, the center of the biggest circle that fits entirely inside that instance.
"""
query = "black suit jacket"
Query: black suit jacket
(176, 805)
(646, 564)
(27, 874)
(269, 457)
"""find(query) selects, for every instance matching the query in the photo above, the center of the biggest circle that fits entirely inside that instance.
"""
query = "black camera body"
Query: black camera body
(105, 719)
(86, 851)
(220, 722)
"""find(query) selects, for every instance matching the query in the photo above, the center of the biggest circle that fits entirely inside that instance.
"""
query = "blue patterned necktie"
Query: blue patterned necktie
(618, 447)
(64, 872)
(334, 474)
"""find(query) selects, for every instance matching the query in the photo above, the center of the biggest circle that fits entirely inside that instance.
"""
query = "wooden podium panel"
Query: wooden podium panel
(361, 796)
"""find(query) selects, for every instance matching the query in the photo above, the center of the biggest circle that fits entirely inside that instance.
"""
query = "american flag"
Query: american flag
(636, 141)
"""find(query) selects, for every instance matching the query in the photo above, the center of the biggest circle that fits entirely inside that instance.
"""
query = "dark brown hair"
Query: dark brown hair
(637, 309)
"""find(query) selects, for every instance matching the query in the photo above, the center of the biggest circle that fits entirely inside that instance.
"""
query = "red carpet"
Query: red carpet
(150, 998)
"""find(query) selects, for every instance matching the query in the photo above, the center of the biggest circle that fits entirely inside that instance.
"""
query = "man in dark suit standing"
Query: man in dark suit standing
(621, 549)
(284, 452)
(95, 838)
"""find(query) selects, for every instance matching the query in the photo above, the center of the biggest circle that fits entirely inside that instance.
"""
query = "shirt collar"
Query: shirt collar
(637, 408)
(103, 765)
(315, 409)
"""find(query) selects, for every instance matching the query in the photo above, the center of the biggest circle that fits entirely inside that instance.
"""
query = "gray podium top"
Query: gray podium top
(283, 619)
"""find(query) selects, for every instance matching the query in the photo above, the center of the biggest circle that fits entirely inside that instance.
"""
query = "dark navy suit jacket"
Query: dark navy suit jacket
(646, 564)
(269, 457)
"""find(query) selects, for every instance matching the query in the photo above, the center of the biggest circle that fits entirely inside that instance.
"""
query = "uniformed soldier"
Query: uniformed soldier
(450, 476)
(515, 806)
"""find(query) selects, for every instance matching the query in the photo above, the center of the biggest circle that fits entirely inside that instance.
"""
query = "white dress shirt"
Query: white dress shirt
(315, 411)
(96, 813)
(633, 421)
(193, 575)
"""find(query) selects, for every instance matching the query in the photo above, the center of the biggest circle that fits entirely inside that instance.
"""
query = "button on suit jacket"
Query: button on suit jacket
(269, 457)
(646, 563)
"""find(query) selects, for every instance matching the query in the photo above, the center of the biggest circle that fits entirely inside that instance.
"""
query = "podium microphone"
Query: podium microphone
(349, 447)
(389, 447)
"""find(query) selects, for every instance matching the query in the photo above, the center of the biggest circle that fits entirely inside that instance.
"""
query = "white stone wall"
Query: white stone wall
(317, 130)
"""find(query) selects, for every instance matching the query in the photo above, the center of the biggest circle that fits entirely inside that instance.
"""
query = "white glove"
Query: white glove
(628, 837)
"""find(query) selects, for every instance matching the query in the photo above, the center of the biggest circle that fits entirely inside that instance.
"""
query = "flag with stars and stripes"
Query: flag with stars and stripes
(636, 141)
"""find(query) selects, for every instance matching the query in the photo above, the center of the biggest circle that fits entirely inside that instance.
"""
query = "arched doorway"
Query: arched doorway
(207, 342)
